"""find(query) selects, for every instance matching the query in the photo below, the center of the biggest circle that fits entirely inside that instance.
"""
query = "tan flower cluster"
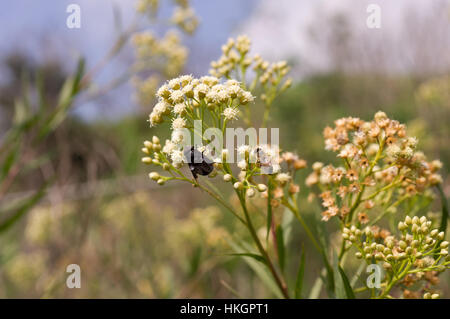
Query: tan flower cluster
(183, 14)
(145, 89)
(201, 227)
(380, 164)
(185, 18)
(150, 6)
(167, 55)
(435, 92)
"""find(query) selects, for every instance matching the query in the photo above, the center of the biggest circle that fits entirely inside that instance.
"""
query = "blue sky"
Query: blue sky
(414, 36)
(39, 28)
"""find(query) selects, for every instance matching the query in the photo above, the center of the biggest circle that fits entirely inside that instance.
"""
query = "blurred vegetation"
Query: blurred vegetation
(76, 192)
(126, 235)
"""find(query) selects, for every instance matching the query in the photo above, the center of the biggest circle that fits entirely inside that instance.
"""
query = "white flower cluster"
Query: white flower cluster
(179, 97)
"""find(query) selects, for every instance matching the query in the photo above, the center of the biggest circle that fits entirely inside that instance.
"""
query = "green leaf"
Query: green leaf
(445, 215)
(347, 287)
(317, 287)
(254, 256)
(22, 209)
(280, 247)
(9, 161)
(195, 261)
(300, 275)
(260, 269)
(69, 90)
(323, 235)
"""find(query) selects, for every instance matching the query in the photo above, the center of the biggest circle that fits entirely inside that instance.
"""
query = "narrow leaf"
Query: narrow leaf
(300, 275)
(348, 288)
(254, 256)
(23, 209)
(445, 215)
(280, 246)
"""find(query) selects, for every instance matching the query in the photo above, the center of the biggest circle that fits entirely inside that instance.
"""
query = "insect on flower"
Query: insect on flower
(198, 163)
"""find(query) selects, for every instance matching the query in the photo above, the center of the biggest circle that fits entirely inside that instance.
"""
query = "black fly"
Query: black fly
(198, 163)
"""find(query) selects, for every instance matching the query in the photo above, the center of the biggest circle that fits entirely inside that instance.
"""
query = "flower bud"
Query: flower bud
(444, 244)
(402, 226)
(154, 176)
(408, 220)
(161, 181)
(148, 145)
(250, 192)
(238, 185)
(402, 244)
(155, 140)
(261, 187)
(147, 160)
(156, 147)
(379, 256)
(227, 177)
(424, 229)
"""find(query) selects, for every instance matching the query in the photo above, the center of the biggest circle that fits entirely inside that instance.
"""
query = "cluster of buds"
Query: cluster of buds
(264, 160)
(150, 6)
(185, 18)
(234, 54)
(167, 55)
(380, 165)
(419, 253)
(155, 156)
(435, 91)
(183, 14)
(271, 75)
(235, 61)
(146, 88)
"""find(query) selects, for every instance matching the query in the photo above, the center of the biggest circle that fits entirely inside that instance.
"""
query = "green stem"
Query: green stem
(261, 249)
